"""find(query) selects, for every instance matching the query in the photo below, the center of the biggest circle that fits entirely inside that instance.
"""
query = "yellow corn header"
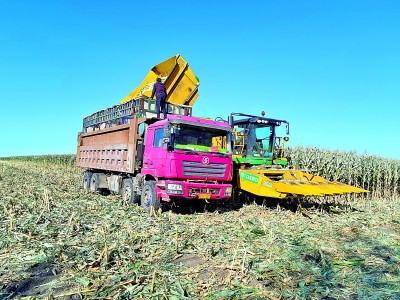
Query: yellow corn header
(280, 183)
(178, 78)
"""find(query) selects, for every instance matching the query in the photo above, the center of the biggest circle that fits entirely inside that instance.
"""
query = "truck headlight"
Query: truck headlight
(173, 188)
(228, 191)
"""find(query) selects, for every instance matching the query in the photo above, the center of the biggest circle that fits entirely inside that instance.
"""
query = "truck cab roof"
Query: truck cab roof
(195, 121)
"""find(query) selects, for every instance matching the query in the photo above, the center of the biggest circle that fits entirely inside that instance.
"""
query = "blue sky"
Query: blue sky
(330, 68)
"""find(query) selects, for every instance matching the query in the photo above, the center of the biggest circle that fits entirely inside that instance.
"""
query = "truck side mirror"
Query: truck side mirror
(141, 129)
(167, 131)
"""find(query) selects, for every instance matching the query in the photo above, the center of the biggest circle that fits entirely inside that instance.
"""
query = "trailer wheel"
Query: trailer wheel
(87, 176)
(95, 183)
(129, 195)
(149, 196)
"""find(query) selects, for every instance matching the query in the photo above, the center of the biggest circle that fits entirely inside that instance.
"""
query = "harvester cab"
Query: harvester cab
(255, 140)
(260, 165)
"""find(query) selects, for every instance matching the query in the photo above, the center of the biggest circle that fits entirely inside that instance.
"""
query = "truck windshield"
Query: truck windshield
(203, 139)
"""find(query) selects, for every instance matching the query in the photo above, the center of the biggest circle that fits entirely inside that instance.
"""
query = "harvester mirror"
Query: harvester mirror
(230, 120)
(287, 128)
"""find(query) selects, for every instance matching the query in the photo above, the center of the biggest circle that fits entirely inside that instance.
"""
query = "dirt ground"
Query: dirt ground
(58, 241)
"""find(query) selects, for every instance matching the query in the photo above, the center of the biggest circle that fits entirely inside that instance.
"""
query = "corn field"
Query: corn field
(57, 159)
(379, 175)
(58, 241)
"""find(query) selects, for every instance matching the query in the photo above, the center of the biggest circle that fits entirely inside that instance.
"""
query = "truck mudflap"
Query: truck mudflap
(281, 183)
(193, 190)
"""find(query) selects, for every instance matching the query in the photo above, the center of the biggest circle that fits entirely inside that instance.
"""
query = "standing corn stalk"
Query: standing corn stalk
(377, 174)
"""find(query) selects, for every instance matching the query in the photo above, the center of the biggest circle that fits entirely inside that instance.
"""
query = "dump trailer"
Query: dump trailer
(179, 80)
(126, 150)
(260, 166)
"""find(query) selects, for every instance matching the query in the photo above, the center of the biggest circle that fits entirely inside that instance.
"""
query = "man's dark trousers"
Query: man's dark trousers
(161, 105)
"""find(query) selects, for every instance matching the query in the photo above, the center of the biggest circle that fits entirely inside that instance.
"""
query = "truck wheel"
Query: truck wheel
(86, 180)
(149, 196)
(95, 183)
(129, 195)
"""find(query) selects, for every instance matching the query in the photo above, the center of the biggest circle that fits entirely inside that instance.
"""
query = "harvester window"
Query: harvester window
(262, 145)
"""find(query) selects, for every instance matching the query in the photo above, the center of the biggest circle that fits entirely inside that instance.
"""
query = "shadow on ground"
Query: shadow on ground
(328, 204)
(36, 283)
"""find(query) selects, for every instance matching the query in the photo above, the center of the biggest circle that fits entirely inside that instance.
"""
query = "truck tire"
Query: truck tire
(149, 197)
(87, 176)
(95, 183)
(128, 193)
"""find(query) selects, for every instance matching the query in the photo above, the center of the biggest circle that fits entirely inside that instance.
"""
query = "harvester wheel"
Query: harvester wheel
(86, 180)
(95, 183)
(129, 195)
(149, 197)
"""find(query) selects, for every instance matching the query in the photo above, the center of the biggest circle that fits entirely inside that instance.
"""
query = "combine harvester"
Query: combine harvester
(260, 165)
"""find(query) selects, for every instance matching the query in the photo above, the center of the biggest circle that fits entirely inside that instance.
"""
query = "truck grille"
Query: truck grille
(197, 169)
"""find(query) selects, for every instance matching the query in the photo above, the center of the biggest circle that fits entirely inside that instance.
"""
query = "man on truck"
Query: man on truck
(161, 93)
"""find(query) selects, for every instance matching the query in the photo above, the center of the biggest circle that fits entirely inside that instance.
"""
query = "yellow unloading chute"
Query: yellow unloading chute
(280, 183)
(178, 78)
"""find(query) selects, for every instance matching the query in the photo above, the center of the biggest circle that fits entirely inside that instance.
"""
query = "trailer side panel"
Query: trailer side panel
(111, 149)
